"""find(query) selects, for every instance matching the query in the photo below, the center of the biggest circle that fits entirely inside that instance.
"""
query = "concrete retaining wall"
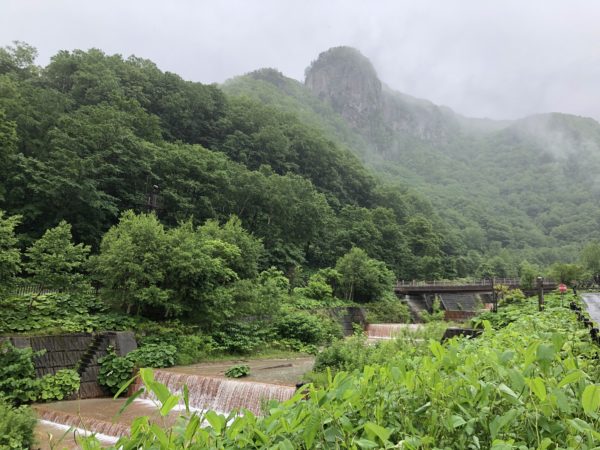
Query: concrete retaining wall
(452, 332)
(347, 317)
(67, 350)
(459, 316)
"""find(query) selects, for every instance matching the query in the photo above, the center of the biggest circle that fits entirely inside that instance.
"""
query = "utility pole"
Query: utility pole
(494, 296)
(540, 287)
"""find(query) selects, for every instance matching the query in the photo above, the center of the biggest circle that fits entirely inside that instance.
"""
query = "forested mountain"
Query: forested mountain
(89, 136)
(517, 190)
(312, 169)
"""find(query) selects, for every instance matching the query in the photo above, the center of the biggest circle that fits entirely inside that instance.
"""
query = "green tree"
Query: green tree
(528, 273)
(494, 267)
(590, 257)
(250, 248)
(132, 264)
(18, 59)
(10, 256)
(363, 279)
(423, 239)
(318, 286)
(54, 262)
(198, 269)
(8, 146)
(568, 274)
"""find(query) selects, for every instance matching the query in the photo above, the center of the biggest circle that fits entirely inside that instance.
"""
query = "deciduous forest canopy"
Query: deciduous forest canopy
(311, 169)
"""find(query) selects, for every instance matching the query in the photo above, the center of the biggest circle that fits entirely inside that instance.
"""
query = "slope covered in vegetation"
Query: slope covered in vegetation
(88, 136)
(516, 190)
(528, 384)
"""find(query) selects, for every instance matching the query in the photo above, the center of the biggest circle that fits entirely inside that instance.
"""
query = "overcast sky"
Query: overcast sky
(493, 58)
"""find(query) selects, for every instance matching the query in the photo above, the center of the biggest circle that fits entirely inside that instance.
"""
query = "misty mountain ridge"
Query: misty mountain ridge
(519, 184)
(346, 80)
(313, 169)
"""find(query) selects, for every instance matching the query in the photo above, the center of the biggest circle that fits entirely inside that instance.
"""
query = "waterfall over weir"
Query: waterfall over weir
(101, 415)
(105, 428)
(220, 394)
(389, 330)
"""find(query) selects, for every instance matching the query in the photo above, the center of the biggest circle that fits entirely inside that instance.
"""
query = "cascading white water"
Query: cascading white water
(85, 424)
(388, 330)
(220, 394)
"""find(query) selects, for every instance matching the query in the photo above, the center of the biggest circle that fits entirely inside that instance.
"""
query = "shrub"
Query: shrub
(60, 385)
(508, 296)
(317, 288)
(17, 374)
(242, 337)
(301, 326)
(114, 371)
(16, 426)
(238, 371)
(18, 383)
(153, 355)
(58, 312)
(390, 310)
(363, 279)
(437, 313)
(54, 262)
(344, 354)
(193, 348)
(295, 345)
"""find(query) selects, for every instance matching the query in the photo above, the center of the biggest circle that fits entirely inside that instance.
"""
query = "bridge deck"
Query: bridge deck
(435, 287)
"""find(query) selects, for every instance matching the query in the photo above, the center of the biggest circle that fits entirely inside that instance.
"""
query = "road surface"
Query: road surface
(592, 302)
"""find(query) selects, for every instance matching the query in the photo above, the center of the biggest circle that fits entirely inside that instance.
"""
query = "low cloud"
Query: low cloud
(500, 59)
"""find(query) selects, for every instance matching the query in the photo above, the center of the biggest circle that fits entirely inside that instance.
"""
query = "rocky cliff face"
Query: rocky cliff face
(347, 80)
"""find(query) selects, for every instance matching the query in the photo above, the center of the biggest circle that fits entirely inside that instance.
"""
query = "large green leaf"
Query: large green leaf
(590, 399)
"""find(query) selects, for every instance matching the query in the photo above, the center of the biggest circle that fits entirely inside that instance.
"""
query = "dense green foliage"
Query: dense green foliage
(18, 382)
(54, 262)
(116, 370)
(88, 136)
(60, 385)
(17, 375)
(389, 310)
(228, 219)
(153, 355)
(191, 347)
(166, 273)
(363, 279)
(237, 371)
(528, 385)
(58, 312)
(590, 257)
(10, 257)
(252, 207)
(306, 328)
(16, 426)
(507, 191)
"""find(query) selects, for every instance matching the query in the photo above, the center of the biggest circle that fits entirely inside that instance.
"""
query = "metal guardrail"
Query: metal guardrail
(458, 283)
(30, 289)
(483, 282)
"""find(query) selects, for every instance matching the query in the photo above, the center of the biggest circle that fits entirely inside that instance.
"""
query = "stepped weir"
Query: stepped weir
(105, 428)
(205, 393)
(389, 330)
(219, 394)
